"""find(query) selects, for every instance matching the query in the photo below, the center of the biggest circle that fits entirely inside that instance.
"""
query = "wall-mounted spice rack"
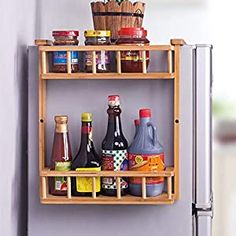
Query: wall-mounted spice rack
(171, 174)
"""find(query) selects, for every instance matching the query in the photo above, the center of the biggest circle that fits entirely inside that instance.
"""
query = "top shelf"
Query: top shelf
(45, 48)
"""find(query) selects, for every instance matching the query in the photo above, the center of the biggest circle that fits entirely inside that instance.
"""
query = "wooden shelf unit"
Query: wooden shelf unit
(171, 174)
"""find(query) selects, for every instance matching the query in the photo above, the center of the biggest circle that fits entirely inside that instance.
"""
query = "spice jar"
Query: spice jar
(59, 58)
(97, 37)
(131, 61)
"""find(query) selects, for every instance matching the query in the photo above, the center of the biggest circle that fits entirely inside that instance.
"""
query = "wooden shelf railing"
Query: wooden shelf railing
(46, 74)
(165, 198)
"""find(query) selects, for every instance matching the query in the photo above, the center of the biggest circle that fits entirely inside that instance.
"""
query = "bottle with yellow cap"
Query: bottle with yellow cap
(97, 37)
(61, 156)
(86, 159)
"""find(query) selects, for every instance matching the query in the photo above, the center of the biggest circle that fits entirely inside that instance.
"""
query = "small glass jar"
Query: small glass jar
(131, 61)
(97, 37)
(59, 58)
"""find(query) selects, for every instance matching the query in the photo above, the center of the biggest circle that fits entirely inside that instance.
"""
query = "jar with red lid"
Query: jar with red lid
(131, 61)
(59, 58)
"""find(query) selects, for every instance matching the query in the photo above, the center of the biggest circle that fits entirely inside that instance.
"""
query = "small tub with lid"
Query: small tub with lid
(95, 38)
(132, 61)
(59, 58)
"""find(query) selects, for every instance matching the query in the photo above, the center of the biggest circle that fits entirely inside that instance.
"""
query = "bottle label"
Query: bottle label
(102, 57)
(133, 55)
(60, 58)
(146, 163)
(61, 182)
(114, 160)
(85, 184)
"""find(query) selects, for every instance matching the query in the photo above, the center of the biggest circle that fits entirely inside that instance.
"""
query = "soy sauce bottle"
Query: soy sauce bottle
(114, 149)
(86, 159)
(61, 156)
(146, 154)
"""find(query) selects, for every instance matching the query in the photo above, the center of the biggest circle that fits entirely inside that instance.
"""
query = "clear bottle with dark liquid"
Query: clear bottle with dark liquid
(86, 159)
(114, 149)
(61, 156)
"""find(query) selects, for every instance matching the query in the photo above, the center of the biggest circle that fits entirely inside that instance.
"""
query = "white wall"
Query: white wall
(17, 31)
(163, 21)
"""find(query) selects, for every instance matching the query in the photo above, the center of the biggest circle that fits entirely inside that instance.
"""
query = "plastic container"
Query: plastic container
(136, 123)
(97, 37)
(59, 59)
(132, 61)
(146, 154)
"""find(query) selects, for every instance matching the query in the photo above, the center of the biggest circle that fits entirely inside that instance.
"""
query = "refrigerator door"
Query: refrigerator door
(203, 133)
(73, 97)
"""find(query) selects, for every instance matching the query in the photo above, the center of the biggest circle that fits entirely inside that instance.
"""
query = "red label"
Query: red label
(147, 163)
(107, 162)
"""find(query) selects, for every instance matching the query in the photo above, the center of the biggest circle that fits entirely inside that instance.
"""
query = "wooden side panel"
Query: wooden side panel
(176, 121)
(42, 112)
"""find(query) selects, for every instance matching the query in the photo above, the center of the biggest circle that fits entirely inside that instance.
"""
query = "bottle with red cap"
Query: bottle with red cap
(146, 154)
(114, 149)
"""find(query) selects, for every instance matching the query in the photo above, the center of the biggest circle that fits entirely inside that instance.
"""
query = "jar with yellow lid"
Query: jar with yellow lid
(97, 37)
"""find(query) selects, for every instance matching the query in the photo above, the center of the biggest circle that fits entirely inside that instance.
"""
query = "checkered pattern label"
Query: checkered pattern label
(115, 160)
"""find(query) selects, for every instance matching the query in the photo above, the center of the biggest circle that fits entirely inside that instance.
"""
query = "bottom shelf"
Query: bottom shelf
(124, 200)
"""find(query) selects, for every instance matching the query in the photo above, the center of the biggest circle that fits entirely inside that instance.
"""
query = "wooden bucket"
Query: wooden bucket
(114, 16)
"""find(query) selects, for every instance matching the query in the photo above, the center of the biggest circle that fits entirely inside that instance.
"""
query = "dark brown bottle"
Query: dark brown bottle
(114, 149)
(61, 156)
(86, 159)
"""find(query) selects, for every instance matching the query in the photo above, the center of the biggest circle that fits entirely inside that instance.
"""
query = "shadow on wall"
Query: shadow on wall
(19, 185)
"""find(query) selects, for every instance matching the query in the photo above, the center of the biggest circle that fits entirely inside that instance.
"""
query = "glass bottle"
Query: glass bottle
(114, 149)
(61, 156)
(86, 159)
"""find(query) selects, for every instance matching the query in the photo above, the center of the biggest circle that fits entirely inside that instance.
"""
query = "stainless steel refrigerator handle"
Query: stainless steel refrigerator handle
(203, 124)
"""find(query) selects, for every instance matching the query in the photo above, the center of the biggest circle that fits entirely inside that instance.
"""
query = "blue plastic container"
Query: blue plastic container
(146, 154)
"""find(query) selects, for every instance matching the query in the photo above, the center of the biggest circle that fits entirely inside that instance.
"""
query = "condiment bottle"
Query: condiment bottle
(132, 61)
(86, 159)
(97, 37)
(146, 154)
(61, 155)
(59, 58)
(114, 149)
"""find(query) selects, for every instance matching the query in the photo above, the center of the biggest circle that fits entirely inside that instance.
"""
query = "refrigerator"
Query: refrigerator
(190, 215)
